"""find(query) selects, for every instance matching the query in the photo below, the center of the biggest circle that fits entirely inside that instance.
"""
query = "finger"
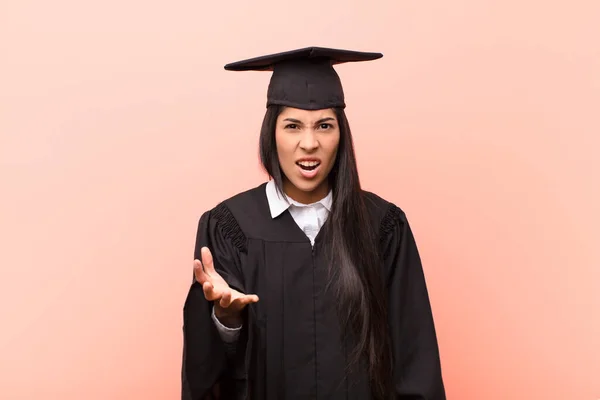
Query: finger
(199, 273)
(243, 301)
(251, 297)
(207, 261)
(210, 292)
(225, 299)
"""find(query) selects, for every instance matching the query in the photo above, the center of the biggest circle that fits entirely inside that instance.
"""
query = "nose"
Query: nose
(308, 141)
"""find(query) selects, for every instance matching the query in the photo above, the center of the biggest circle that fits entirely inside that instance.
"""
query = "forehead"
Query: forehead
(306, 115)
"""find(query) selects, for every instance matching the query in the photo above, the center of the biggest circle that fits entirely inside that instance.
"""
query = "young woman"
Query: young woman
(308, 286)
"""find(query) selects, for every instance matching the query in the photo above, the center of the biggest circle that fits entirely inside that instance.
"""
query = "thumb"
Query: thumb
(207, 261)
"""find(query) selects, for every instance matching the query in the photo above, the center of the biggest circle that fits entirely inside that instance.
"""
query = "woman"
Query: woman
(307, 286)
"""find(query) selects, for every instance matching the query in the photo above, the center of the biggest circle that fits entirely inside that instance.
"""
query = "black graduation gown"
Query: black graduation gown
(289, 346)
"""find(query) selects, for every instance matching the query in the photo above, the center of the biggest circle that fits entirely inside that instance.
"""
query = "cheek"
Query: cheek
(331, 147)
(283, 150)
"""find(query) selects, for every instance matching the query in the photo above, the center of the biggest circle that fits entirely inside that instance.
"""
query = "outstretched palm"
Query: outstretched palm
(228, 302)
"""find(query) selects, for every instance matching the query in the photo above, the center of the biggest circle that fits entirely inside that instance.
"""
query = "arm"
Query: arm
(417, 366)
(228, 335)
(207, 359)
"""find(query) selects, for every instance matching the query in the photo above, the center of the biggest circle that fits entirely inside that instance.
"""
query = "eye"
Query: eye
(291, 126)
(325, 126)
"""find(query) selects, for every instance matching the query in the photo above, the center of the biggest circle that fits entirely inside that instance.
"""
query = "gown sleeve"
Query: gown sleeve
(417, 366)
(207, 362)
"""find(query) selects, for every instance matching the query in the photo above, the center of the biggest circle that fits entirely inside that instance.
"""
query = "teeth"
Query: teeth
(308, 163)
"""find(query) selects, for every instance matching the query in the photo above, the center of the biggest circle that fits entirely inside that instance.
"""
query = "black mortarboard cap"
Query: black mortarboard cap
(304, 78)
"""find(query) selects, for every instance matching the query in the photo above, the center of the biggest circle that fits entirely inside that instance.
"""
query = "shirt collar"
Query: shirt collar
(278, 204)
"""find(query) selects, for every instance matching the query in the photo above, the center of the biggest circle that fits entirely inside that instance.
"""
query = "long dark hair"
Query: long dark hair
(355, 263)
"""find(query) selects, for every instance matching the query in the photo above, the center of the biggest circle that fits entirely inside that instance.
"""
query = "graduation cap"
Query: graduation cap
(304, 78)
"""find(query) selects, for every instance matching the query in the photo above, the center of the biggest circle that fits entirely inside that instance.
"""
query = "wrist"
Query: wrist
(229, 319)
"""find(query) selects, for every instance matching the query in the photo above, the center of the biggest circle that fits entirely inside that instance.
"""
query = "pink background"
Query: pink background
(119, 127)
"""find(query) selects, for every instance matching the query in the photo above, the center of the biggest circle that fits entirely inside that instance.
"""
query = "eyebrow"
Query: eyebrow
(296, 121)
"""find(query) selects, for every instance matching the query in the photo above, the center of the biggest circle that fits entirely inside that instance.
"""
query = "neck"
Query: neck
(303, 197)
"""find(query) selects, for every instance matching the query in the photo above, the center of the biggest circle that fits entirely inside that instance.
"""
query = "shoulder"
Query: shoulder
(248, 199)
(390, 221)
(237, 216)
(388, 218)
(240, 203)
(383, 210)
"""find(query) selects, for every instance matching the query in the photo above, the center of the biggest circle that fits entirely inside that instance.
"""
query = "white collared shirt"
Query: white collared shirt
(309, 217)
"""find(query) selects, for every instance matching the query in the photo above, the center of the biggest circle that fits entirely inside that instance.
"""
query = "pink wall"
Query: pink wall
(117, 130)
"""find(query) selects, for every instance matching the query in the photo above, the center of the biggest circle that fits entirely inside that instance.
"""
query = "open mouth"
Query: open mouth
(308, 165)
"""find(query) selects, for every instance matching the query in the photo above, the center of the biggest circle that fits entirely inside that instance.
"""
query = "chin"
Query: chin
(303, 185)
(307, 186)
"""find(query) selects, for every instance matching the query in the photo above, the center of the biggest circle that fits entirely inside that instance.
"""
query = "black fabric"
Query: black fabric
(290, 346)
(304, 78)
